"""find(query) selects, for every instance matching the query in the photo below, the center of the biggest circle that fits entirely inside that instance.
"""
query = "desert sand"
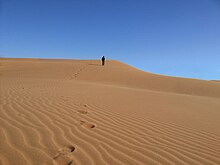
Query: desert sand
(77, 112)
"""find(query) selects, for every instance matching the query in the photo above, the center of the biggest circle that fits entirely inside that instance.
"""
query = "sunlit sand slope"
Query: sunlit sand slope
(69, 112)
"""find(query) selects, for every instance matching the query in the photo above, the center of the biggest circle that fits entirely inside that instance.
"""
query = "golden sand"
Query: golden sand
(77, 112)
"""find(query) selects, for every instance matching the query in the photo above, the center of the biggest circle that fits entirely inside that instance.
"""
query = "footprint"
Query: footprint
(82, 112)
(63, 157)
(64, 98)
(87, 125)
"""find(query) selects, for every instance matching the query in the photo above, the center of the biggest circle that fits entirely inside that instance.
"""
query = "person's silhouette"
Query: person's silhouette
(103, 60)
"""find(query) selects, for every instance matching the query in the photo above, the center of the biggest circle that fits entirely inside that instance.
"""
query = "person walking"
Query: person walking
(103, 60)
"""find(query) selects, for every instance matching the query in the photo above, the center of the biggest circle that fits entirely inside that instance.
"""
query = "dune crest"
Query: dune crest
(68, 112)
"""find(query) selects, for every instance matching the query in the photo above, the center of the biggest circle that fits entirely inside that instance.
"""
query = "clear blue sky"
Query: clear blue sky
(171, 37)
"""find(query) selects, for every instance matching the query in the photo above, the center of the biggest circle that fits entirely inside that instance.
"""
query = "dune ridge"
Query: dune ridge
(78, 112)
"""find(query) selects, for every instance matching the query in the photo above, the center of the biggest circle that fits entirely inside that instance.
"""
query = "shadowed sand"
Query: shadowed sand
(69, 112)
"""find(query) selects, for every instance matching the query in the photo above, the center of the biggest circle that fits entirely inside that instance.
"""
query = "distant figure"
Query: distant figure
(103, 60)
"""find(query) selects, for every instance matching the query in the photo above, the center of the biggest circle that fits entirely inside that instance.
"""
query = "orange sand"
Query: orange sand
(74, 112)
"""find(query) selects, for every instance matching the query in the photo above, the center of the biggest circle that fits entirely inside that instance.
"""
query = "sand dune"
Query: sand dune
(79, 112)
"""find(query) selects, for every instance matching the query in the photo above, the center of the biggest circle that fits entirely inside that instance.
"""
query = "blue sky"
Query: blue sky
(171, 37)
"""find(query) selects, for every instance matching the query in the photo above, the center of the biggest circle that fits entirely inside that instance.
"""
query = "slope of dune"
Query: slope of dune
(79, 112)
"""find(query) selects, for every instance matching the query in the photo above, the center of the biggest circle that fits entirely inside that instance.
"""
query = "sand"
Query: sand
(75, 112)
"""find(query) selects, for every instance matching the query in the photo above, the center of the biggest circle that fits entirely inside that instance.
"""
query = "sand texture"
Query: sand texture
(77, 112)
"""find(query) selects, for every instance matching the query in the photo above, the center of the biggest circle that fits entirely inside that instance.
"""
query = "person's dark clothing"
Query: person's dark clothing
(103, 60)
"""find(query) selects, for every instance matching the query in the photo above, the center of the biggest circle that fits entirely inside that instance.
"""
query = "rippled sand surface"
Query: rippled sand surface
(77, 112)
